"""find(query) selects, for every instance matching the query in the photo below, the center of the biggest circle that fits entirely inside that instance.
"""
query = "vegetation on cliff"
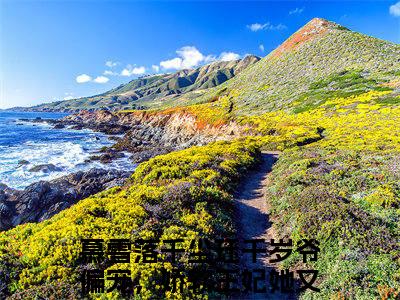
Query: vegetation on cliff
(185, 194)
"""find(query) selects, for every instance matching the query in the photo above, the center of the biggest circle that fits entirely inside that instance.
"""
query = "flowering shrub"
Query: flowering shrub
(185, 194)
(349, 201)
(362, 122)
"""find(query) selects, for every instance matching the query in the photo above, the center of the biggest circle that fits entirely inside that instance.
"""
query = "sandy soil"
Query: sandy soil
(253, 221)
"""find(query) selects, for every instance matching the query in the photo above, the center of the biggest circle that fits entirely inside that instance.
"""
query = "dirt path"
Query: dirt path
(253, 221)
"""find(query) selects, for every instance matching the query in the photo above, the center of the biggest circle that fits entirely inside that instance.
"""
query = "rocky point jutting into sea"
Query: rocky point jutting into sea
(141, 134)
(147, 134)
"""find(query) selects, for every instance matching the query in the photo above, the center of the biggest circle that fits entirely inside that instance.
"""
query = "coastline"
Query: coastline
(43, 198)
(143, 137)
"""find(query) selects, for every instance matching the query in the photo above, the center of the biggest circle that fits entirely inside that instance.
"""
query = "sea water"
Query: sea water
(39, 143)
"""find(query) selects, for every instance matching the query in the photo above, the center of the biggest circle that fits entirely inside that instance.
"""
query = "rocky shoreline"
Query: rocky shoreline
(41, 200)
(146, 135)
(141, 135)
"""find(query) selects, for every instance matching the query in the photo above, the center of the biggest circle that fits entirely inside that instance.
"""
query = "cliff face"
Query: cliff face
(149, 134)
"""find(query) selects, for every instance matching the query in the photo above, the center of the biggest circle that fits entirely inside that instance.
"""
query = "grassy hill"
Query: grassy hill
(321, 60)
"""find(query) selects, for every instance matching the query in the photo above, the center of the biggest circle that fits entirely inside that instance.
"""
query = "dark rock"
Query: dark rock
(108, 156)
(46, 168)
(59, 126)
(105, 158)
(41, 200)
(114, 138)
(92, 158)
(141, 156)
(2, 195)
(77, 127)
(23, 162)
(4, 210)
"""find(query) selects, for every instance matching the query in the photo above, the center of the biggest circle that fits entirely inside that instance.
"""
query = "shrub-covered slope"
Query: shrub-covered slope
(340, 184)
(349, 201)
(185, 194)
(336, 180)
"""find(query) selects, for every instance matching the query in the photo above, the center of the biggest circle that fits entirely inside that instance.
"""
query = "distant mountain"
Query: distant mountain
(321, 60)
(155, 88)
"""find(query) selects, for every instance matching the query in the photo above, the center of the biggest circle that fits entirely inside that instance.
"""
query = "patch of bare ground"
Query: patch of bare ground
(253, 222)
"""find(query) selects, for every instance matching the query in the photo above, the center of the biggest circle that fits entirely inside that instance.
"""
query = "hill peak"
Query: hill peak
(320, 23)
(315, 27)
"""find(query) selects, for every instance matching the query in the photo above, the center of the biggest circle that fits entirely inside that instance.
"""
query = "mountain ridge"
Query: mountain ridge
(154, 87)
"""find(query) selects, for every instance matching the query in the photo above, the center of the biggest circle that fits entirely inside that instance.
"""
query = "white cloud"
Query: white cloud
(68, 96)
(297, 10)
(395, 9)
(130, 71)
(210, 58)
(266, 26)
(83, 78)
(125, 72)
(86, 78)
(256, 26)
(175, 63)
(111, 63)
(261, 47)
(155, 68)
(188, 57)
(228, 56)
(278, 27)
(110, 73)
(101, 79)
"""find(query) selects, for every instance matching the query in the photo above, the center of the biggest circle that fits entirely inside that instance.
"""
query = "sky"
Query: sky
(55, 50)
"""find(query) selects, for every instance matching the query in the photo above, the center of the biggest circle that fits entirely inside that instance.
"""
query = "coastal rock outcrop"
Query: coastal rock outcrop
(41, 200)
(149, 134)
(141, 133)
(46, 168)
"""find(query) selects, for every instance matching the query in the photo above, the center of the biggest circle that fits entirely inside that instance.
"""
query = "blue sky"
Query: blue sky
(54, 50)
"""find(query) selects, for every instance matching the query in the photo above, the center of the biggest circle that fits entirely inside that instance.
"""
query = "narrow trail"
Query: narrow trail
(253, 222)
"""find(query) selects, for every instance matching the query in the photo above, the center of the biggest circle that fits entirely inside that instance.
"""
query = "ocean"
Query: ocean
(24, 145)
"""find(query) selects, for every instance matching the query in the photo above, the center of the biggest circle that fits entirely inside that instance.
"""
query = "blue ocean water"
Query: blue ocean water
(39, 143)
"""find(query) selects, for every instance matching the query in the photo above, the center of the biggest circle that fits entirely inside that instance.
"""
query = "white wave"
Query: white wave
(69, 157)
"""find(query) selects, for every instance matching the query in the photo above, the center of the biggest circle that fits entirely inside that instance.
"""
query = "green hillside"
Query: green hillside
(319, 61)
